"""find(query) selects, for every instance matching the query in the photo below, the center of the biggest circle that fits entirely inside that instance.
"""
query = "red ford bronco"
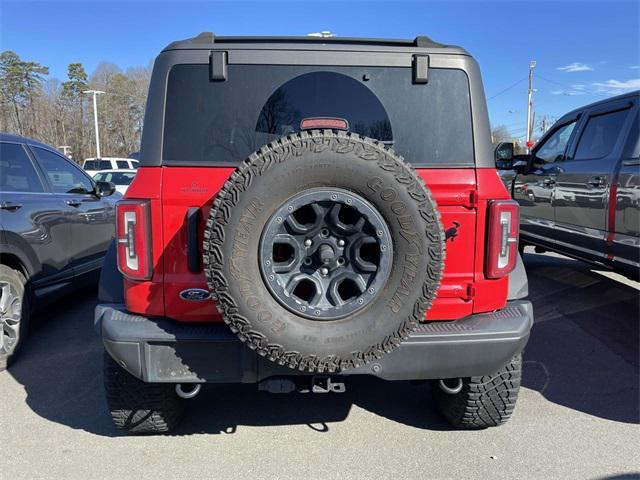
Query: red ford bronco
(308, 209)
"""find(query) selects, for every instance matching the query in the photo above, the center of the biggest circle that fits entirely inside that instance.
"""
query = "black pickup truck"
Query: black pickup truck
(579, 189)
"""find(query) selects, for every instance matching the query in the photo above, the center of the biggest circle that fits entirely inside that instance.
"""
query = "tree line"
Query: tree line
(59, 113)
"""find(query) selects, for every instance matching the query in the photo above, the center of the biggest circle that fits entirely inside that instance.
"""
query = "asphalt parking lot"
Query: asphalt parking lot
(577, 417)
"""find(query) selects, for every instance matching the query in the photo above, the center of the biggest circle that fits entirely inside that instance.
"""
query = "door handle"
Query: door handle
(74, 203)
(597, 182)
(10, 206)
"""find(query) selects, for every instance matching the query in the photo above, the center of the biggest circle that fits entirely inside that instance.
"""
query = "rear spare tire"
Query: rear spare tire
(323, 250)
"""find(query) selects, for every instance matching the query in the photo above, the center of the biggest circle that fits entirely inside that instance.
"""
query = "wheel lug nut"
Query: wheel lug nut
(324, 271)
(341, 243)
(307, 242)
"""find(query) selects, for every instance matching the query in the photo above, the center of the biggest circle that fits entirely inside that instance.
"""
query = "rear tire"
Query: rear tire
(14, 314)
(139, 407)
(486, 401)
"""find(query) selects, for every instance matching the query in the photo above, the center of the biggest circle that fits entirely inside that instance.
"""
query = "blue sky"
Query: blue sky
(584, 50)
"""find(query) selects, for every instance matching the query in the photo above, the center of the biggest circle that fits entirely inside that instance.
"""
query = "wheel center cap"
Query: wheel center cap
(326, 253)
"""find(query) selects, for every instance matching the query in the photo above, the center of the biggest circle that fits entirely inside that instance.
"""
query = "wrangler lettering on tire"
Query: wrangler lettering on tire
(323, 250)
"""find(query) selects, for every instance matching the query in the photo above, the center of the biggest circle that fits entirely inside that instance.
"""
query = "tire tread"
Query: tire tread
(484, 401)
(283, 150)
(139, 407)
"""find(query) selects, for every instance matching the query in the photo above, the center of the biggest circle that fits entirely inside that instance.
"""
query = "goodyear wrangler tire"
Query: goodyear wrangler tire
(302, 218)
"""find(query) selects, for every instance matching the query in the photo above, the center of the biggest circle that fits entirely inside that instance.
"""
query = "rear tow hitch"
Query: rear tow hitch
(322, 384)
(317, 384)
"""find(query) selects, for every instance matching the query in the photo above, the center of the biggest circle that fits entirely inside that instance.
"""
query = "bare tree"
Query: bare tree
(20, 85)
(57, 112)
(500, 133)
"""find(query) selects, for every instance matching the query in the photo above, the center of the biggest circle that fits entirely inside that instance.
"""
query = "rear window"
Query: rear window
(97, 165)
(223, 122)
(122, 164)
(118, 178)
(16, 170)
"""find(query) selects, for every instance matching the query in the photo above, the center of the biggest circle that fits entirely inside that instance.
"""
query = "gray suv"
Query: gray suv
(55, 226)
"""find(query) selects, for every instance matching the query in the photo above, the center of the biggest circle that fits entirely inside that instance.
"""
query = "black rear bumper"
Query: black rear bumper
(162, 350)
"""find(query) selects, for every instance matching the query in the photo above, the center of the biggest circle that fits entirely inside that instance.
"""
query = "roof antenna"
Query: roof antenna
(322, 34)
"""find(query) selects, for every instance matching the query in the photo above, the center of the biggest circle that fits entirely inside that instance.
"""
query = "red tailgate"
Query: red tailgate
(187, 187)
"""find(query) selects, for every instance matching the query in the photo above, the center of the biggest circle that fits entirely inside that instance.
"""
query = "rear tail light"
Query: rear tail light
(134, 239)
(502, 238)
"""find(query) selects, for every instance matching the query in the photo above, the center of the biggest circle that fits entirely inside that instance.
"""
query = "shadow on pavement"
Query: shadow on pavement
(222, 409)
(583, 349)
(583, 354)
(60, 369)
(60, 365)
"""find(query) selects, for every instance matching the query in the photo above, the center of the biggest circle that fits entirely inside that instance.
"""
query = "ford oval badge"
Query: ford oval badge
(195, 295)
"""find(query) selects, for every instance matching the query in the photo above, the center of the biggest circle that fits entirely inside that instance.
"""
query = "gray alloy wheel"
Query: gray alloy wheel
(13, 313)
(326, 253)
(10, 314)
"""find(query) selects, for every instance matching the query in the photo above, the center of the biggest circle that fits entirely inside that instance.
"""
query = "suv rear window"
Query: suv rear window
(223, 122)
(16, 170)
(97, 165)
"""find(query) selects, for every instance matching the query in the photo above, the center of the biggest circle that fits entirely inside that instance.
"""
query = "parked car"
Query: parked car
(285, 244)
(55, 225)
(588, 167)
(95, 165)
(120, 178)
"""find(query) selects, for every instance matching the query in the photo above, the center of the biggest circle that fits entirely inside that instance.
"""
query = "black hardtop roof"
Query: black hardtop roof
(207, 40)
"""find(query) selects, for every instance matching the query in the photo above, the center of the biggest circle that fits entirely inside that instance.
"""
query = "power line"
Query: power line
(507, 89)
(571, 88)
(553, 81)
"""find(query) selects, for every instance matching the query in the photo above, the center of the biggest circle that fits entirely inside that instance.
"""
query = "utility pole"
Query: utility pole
(544, 125)
(532, 65)
(95, 117)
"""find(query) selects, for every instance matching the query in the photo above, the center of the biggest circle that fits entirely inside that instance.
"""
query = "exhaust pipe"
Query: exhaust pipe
(190, 391)
(454, 387)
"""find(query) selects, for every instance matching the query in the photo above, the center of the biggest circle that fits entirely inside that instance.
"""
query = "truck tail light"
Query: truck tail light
(502, 238)
(134, 239)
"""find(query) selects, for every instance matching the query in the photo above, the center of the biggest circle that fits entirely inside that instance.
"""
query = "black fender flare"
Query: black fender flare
(518, 281)
(111, 287)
